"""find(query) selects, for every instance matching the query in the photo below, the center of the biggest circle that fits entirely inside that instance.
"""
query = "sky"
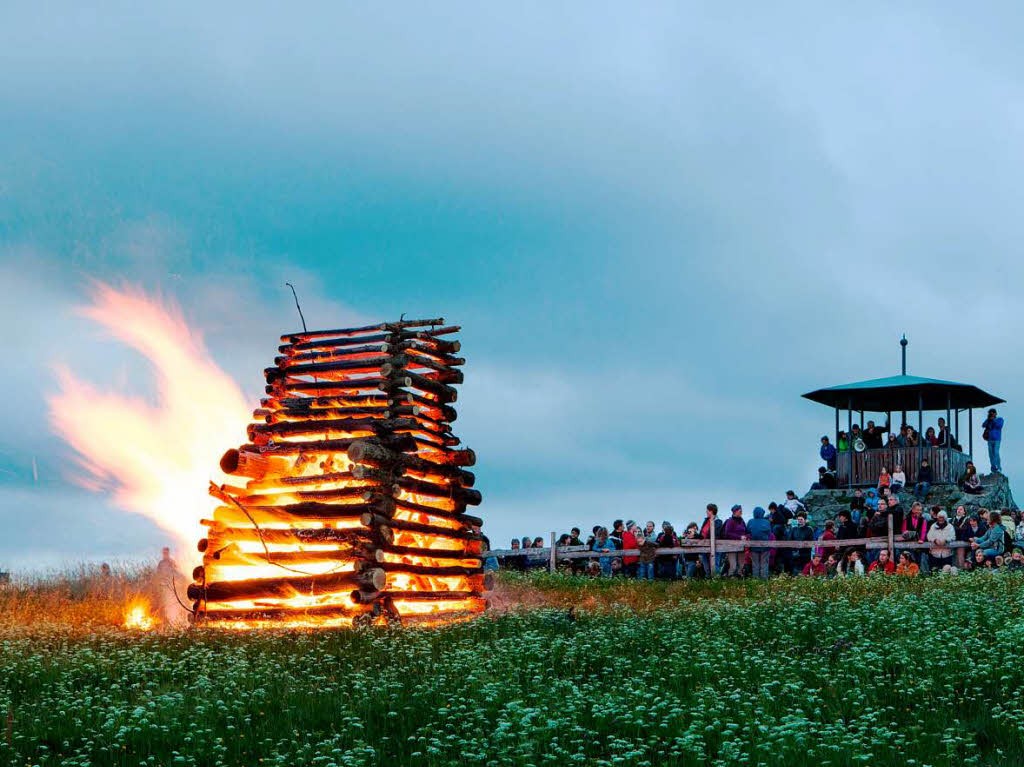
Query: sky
(657, 226)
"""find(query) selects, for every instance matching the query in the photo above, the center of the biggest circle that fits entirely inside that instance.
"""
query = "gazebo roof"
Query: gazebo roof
(881, 395)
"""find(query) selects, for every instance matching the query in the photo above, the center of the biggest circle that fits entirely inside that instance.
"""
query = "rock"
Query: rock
(826, 504)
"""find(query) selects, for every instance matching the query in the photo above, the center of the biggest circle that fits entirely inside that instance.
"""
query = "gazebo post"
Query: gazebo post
(956, 433)
(862, 421)
(837, 432)
(970, 432)
(849, 428)
(949, 407)
(920, 414)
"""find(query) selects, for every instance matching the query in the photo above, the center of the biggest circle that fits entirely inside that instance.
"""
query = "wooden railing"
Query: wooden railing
(553, 554)
(862, 469)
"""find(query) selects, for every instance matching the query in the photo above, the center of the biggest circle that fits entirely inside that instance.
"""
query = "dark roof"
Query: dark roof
(880, 395)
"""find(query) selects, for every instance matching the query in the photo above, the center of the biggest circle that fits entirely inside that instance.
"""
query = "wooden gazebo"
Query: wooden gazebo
(903, 394)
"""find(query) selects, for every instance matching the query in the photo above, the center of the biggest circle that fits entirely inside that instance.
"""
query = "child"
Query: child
(884, 480)
(899, 479)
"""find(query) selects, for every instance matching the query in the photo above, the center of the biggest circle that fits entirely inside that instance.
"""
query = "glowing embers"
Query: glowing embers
(354, 508)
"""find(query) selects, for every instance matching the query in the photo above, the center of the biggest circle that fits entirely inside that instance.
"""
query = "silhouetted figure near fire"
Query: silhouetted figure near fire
(168, 581)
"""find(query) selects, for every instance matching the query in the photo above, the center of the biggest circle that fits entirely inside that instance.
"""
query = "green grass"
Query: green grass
(880, 671)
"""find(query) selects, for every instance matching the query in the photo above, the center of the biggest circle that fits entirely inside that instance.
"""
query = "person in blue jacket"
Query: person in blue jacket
(759, 529)
(828, 453)
(993, 434)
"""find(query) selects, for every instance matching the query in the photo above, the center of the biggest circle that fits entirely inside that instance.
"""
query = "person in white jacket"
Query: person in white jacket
(940, 535)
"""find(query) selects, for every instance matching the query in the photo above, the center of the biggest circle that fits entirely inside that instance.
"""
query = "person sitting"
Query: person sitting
(884, 480)
(857, 505)
(883, 564)
(991, 542)
(826, 480)
(832, 566)
(871, 500)
(899, 479)
(981, 562)
(907, 565)
(828, 453)
(792, 502)
(969, 481)
(814, 567)
(924, 480)
(1016, 562)
(853, 565)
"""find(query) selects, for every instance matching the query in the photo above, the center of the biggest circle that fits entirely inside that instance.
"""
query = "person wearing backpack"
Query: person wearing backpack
(993, 434)
(759, 529)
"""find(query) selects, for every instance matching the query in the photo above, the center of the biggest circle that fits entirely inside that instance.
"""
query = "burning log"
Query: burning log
(281, 588)
(355, 508)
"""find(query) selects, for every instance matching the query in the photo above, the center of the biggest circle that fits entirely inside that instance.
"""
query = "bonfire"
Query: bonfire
(354, 506)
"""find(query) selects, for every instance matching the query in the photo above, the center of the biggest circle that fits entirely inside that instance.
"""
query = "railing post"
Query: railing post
(553, 561)
(712, 558)
(891, 537)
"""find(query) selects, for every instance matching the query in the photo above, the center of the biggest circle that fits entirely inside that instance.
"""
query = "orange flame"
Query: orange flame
(139, 616)
(157, 458)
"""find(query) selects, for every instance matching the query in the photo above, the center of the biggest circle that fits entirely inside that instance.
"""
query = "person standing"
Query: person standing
(167, 580)
(735, 529)
(629, 541)
(759, 529)
(993, 434)
(828, 453)
(665, 564)
(940, 535)
(802, 532)
(705, 534)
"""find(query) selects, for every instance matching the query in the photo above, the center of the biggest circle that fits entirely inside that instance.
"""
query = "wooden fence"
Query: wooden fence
(552, 554)
(862, 469)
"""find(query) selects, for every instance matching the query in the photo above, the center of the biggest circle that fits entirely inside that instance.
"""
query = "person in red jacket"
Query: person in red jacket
(629, 542)
(883, 564)
(815, 566)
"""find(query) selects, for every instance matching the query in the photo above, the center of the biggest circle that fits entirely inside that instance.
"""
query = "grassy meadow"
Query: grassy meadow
(869, 671)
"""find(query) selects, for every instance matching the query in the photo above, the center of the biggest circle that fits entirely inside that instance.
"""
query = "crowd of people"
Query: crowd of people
(994, 540)
(873, 437)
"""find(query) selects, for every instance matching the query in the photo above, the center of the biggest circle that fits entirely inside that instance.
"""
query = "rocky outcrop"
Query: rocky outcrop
(826, 504)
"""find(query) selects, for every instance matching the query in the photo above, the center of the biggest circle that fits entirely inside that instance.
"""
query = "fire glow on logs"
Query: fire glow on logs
(354, 508)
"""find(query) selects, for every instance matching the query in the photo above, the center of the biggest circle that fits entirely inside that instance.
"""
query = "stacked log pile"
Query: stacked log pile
(354, 507)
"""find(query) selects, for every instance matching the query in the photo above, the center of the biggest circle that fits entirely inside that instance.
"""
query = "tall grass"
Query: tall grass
(797, 672)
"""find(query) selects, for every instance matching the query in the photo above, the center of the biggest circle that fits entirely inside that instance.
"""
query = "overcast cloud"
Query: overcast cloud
(658, 226)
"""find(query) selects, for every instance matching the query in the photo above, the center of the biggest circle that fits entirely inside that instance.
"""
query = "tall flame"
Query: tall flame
(158, 459)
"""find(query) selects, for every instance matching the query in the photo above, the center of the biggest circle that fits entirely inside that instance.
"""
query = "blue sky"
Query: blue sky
(658, 226)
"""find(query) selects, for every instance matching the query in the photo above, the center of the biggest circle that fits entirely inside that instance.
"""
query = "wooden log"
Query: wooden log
(369, 401)
(261, 500)
(232, 556)
(327, 388)
(378, 455)
(396, 341)
(307, 414)
(342, 425)
(321, 369)
(370, 519)
(307, 335)
(421, 487)
(406, 379)
(281, 614)
(366, 597)
(450, 570)
(220, 535)
(440, 362)
(249, 463)
(471, 549)
(333, 355)
(303, 480)
(285, 587)
(449, 457)
(310, 512)
(399, 442)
